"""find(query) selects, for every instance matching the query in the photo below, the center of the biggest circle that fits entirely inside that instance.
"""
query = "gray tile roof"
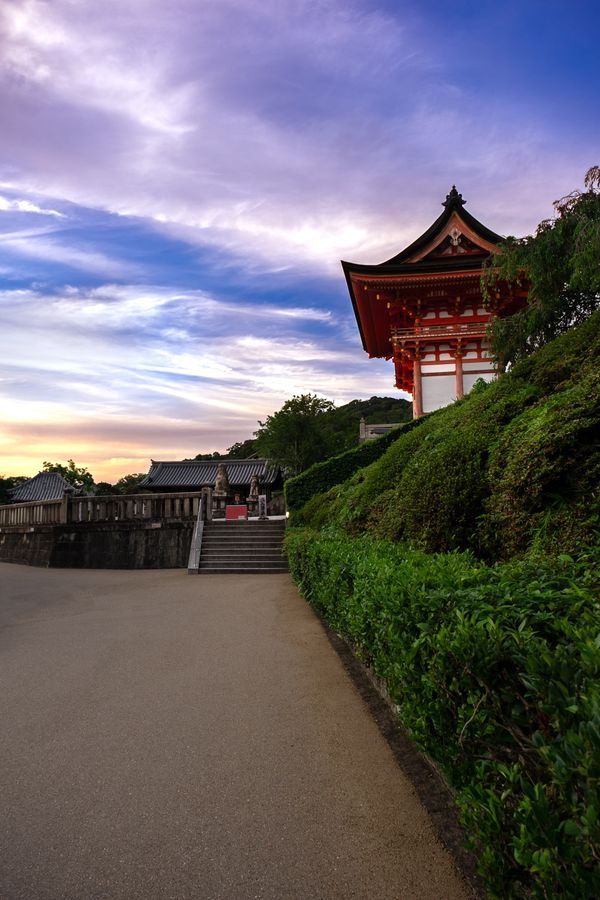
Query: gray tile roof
(381, 429)
(194, 474)
(43, 486)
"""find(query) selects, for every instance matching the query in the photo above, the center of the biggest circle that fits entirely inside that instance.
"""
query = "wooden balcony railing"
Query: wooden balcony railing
(420, 332)
(111, 508)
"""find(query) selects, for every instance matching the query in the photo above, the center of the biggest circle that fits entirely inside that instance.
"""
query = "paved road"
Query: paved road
(167, 736)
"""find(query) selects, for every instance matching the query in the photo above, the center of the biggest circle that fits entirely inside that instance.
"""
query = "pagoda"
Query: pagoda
(424, 308)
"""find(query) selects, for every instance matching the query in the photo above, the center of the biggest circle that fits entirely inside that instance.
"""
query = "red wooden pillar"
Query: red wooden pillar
(460, 390)
(417, 386)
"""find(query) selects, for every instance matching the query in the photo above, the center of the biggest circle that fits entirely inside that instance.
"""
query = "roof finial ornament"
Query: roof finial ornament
(454, 198)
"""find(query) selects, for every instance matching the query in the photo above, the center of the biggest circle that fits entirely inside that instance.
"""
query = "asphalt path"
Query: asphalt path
(168, 736)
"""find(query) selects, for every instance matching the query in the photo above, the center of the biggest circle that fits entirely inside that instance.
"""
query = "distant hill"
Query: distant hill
(341, 424)
(343, 421)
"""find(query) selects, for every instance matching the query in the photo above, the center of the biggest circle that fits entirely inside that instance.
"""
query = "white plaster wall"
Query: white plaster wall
(469, 380)
(478, 364)
(438, 390)
(428, 367)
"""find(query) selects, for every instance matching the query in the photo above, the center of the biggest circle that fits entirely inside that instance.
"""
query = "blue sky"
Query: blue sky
(178, 183)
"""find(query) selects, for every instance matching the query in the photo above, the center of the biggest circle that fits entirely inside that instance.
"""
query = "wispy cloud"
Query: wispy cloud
(26, 206)
(283, 148)
(195, 171)
(53, 250)
(138, 364)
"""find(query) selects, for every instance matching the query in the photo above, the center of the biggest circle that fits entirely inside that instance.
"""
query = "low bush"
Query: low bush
(495, 673)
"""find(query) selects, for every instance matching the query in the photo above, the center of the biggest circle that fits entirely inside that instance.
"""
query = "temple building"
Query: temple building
(193, 475)
(424, 308)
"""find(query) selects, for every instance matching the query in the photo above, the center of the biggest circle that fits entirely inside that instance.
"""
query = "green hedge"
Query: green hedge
(324, 475)
(495, 673)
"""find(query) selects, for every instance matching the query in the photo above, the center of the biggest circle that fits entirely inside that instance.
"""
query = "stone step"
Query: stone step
(248, 523)
(242, 547)
(242, 536)
(226, 556)
(234, 547)
(242, 529)
(245, 535)
(236, 564)
(245, 570)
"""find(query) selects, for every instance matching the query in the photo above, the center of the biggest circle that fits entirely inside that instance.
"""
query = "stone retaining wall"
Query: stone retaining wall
(99, 545)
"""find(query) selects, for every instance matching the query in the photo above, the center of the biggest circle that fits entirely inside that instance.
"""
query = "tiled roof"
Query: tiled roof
(43, 486)
(381, 429)
(193, 474)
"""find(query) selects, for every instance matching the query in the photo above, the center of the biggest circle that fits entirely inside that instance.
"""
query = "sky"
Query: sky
(179, 182)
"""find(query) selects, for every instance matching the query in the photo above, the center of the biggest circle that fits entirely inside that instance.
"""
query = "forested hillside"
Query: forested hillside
(336, 429)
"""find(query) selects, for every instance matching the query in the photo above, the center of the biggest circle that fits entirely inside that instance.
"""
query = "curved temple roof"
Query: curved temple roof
(43, 486)
(193, 474)
(455, 245)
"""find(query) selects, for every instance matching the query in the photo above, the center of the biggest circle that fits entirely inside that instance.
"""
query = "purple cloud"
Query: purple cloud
(250, 140)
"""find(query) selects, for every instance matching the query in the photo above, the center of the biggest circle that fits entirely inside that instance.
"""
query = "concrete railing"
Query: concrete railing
(39, 512)
(131, 507)
(111, 508)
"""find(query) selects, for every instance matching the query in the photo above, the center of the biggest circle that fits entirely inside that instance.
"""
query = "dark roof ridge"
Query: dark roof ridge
(185, 462)
(454, 203)
(454, 199)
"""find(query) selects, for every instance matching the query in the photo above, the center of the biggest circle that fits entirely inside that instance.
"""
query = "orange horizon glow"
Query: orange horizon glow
(102, 469)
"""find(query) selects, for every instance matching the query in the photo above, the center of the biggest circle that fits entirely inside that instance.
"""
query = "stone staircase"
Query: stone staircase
(243, 546)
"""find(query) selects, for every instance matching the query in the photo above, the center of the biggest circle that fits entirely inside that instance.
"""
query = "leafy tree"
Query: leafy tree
(129, 484)
(7, 483)
(78, 476)
(338, 426)
(295, 436)
(561, 266)
(242, 449)
(104, 489)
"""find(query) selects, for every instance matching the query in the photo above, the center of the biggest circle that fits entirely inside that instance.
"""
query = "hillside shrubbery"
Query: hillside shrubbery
(495, 673)
(513, 468)
(322, 476)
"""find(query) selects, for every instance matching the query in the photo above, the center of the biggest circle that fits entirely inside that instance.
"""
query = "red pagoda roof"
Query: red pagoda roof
(453, 249)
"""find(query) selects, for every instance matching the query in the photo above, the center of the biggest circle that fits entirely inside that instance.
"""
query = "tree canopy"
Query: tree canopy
(294, 437)
(78, 476)
(242, 449)
(7, 484)
(338, 426)
(129, 484)
(561, 266)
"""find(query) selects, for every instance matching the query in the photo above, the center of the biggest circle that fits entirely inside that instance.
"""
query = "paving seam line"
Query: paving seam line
(433, 791)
